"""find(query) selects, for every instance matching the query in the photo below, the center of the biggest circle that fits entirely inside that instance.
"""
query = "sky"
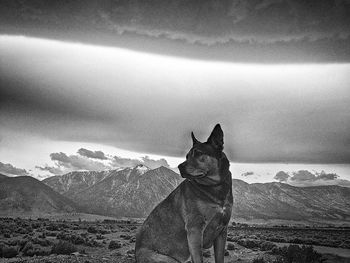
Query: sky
(69, 106)
(93, 85)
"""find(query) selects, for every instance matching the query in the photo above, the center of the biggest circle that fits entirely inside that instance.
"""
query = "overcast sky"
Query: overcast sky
(72, 96)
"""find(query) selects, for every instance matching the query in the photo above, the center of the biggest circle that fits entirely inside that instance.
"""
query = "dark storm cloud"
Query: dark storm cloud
(326, 176)
(128, 162)
(307, 178)
(258, 31)
(150, 104)
(303, 175)
(246, 174)
(76, 162)
(9, 169)
(66, 163)
(281, 176)
(92, 154)
(50, 169)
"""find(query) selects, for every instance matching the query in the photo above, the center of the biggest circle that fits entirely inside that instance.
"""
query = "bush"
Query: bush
(230, 246)
(125, 236)
(249, 243)
(31, 250)
(99, 237)
(206, 253)
(297, 254)
(114, 244)
(266, 245)
(42, 242)
(27, 247)
(92, 229)
(52, 227)
(75, 239)
(259, 260)
(8, 252)
(64, 248)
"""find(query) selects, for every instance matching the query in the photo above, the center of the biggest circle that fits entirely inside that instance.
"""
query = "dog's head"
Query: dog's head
(204, 160)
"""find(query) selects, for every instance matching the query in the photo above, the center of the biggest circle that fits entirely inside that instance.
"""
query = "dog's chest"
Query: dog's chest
(216, 224)
(221, 216)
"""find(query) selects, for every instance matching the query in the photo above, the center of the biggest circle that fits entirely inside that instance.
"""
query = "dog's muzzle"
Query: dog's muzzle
(185, 174)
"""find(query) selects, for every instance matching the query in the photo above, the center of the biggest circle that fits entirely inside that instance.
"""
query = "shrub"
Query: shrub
(125, 236)
(8, 251)
(206, 253)
(297, 254)
(42, 242)
(99, 237)
(52, 227)
(92, 243)
(230, 246)
(51, 233)
(31, 250)
(266, 245)
(249, 243)
(114, 244)
(27, 247)
(92, 229)
(259, 260)
(63, 247)
(75, 239)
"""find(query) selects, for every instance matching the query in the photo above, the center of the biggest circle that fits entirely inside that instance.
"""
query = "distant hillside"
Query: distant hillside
(130, 192)
(25, 194)
(71, 183)
(283, 201)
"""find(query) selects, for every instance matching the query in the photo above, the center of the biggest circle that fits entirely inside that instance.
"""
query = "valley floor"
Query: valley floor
(27, 240)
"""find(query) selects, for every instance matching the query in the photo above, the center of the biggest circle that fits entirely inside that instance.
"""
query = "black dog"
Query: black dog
(195, 215)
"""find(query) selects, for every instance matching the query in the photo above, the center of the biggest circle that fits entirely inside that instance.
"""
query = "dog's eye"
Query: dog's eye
(197, 153)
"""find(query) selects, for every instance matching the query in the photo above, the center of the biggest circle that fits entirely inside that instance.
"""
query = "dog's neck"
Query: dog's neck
(216, 191)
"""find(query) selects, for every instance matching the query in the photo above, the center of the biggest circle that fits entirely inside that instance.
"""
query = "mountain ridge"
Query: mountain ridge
(128, 193)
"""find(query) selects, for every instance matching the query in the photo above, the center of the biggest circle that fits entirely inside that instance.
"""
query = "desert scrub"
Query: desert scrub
(8, 251)
(31, 250)
(113, 244)
(73, 238)
(297, 254)
(259, 260)
(63, 247)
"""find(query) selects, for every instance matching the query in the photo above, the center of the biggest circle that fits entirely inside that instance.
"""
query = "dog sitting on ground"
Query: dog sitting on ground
(196, 214)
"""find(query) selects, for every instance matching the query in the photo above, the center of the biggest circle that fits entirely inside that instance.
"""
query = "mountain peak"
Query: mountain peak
(141, 168)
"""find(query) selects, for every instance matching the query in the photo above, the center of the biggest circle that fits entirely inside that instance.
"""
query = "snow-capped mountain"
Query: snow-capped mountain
(129, 192)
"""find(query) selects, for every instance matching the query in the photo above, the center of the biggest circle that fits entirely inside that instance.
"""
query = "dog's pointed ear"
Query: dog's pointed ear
(216, 138)
(194, 140)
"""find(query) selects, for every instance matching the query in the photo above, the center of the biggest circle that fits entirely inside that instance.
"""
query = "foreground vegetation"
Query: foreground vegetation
(42, 240)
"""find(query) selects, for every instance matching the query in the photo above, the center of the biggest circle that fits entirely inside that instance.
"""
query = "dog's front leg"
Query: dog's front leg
(195, 244)
(195, 241)
(219, 246)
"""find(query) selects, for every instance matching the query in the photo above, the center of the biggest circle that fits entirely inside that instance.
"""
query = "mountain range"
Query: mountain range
(283, 201)
(131, 192)
(25, 194)
(134, 192)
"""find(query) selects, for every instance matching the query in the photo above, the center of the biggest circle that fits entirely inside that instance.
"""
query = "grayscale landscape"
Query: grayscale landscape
(98, 99)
